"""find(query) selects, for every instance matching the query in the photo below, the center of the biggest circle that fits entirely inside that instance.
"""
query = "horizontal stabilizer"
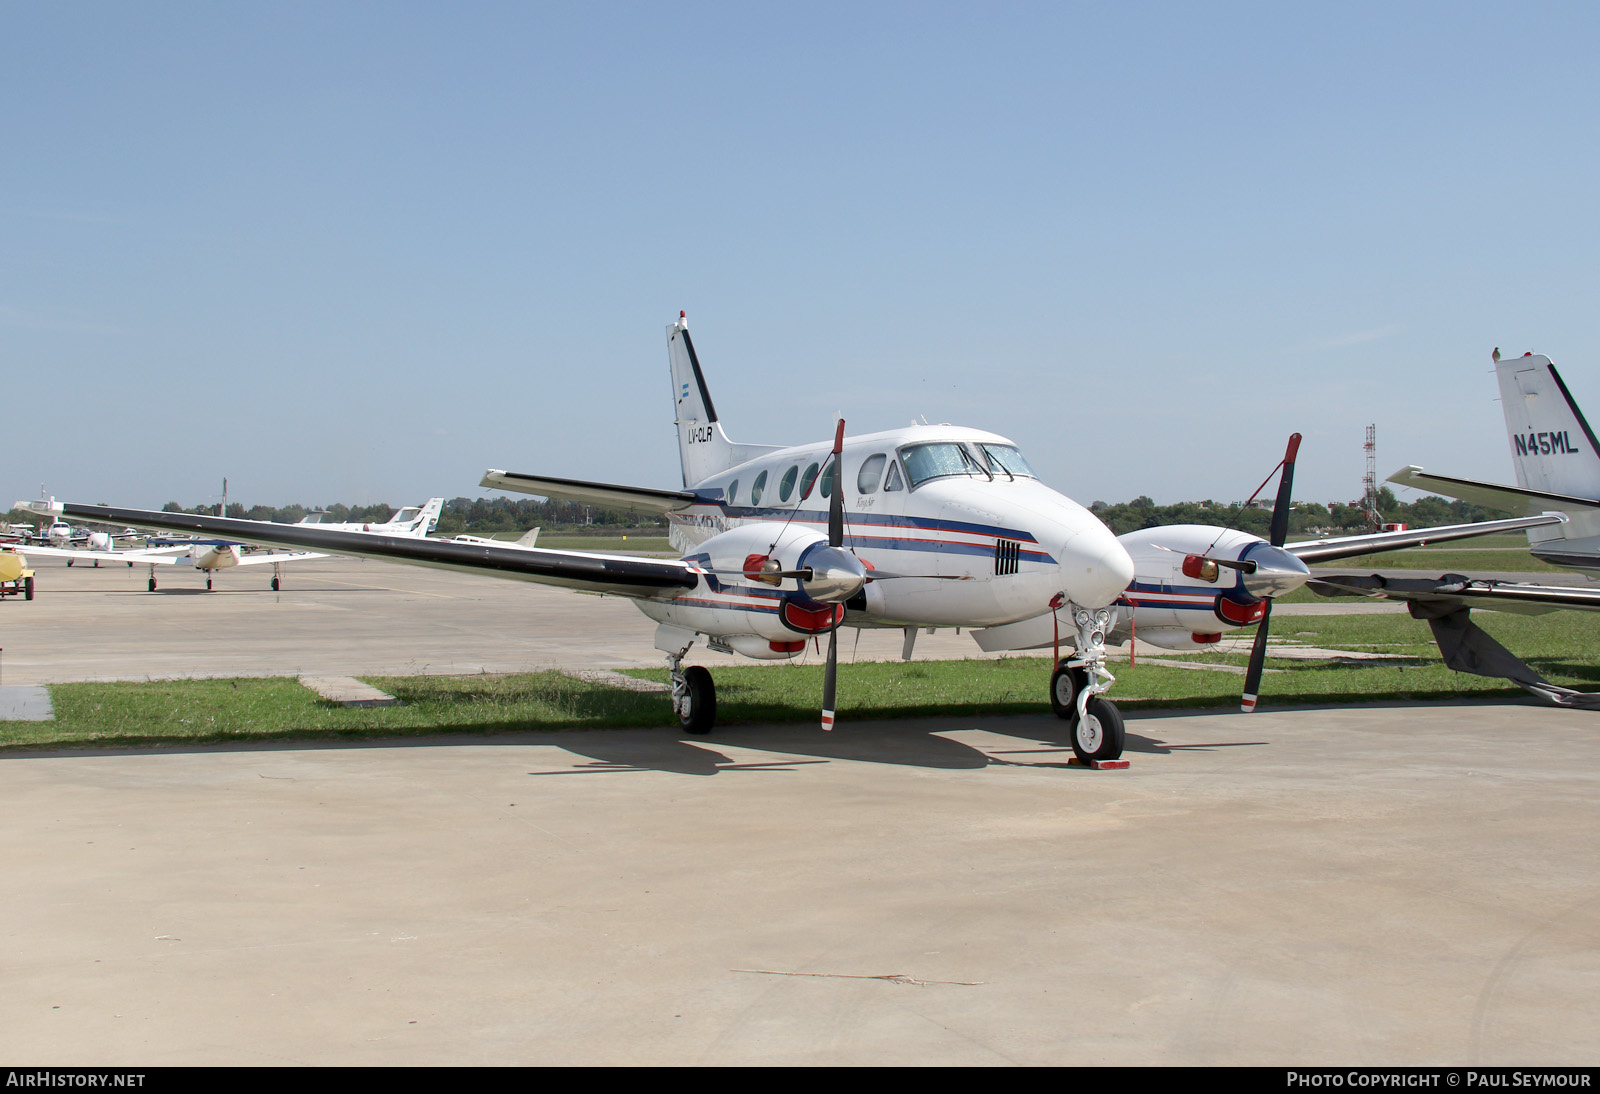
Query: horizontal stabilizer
(642, 499)
(1507, 499)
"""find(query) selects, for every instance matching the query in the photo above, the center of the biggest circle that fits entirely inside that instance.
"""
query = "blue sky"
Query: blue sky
(359, 252)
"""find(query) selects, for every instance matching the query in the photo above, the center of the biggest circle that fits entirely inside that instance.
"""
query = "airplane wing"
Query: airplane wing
(272, 558)
(1507, 499)
(1446, 604)
(161, 556)
(596, 493)
(1330, 550)
(1505, 596)
(600, 573)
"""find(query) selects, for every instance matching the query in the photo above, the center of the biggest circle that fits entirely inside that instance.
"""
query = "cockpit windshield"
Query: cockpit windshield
(940, 459)
(1006, 460)
(937, 460)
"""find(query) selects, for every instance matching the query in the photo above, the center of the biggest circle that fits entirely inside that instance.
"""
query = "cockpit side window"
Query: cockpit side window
(939, 459)
(871, 474)
(892, 480)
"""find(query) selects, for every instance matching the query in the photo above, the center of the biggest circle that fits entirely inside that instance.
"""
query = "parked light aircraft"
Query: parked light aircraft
(944, 526)
(413, 520)
(207, 555)
(214, 555)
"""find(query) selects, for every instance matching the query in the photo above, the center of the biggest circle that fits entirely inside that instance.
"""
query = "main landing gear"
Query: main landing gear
(694, 696)
(1076, 686)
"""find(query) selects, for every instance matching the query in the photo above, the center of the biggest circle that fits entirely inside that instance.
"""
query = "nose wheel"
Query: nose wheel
(694, 697)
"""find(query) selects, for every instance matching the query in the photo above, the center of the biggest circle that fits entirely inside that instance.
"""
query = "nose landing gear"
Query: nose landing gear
(1076, 688)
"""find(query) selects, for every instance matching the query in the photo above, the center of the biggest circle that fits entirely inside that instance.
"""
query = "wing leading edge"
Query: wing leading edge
(619, 574)
(1329, 550)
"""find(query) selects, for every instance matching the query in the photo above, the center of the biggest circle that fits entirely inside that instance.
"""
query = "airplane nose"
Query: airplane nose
(1095, 568)
(1277, 572)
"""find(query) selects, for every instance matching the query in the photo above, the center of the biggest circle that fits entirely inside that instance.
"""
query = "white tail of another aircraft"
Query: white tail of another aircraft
(703, 447)
(1552, 447)
(1556, 458)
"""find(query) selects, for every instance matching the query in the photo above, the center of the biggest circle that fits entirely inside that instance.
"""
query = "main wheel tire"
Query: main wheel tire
(1100, 734)
(208, 584)
(274, 584)
(699, 713)
(27, 588)
(1065, 684)
(152, 584)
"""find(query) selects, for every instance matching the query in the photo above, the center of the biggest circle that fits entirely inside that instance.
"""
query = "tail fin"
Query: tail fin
(703, 447)
(1552, 446)
(430, 516)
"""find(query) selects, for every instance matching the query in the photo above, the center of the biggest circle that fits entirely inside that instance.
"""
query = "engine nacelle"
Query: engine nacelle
(748, 602)
(1194, 579)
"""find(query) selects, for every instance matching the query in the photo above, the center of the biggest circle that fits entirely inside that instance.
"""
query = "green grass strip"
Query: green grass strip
(215, 711)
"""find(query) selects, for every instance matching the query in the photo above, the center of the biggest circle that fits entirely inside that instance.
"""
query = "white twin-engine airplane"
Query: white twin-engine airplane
(413, 520)
(928, 526)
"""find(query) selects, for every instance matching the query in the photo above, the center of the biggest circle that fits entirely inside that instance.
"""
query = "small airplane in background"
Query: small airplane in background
(205, 555)
(415, 521)
(944, 526)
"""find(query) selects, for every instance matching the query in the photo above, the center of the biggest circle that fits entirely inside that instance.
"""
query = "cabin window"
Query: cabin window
(1007, 460)
(828, 475)
(757, 488)
(871, 474)
(807, 480)
(891, 481)
(939, 460)
(733, 490)
(786, 487)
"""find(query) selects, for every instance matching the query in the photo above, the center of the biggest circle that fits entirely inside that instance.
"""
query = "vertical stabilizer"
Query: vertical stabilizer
(1552, 446)
(430, 516)
(703, 447)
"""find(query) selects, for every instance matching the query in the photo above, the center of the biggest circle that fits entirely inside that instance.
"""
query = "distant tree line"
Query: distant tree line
(1306, 518)
(482, 516)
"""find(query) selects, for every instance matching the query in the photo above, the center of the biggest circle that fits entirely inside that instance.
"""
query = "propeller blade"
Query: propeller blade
(830, 675)
(1258, 661)
(830, 679)
(836, 501)
(1279, 532)
(1280, 508)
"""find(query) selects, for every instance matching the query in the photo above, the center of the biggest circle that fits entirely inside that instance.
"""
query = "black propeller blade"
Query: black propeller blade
(830, 676)
(1278, 533)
